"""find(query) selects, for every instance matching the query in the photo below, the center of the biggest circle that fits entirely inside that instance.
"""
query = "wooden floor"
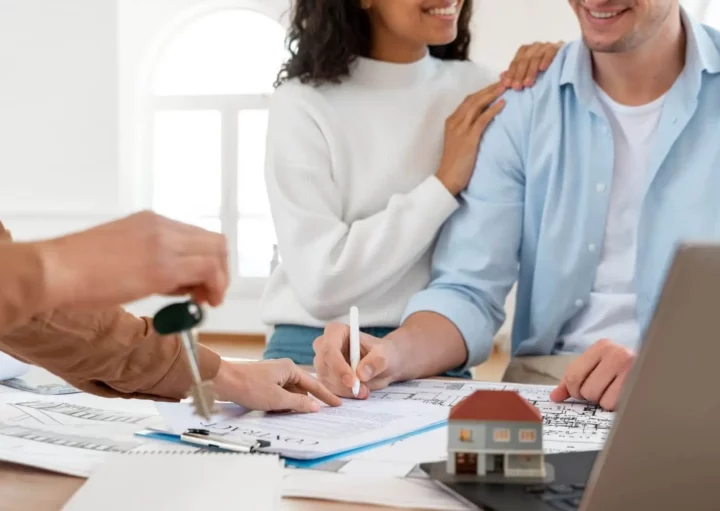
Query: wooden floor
(251, 347)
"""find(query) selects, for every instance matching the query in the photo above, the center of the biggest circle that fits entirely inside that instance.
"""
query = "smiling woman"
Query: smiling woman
(329, 37)
(373, 133)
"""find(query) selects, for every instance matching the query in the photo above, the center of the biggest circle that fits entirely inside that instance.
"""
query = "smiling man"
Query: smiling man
(583, 187)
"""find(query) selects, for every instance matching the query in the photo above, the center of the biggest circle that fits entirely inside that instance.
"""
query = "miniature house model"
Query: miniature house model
(495, 432)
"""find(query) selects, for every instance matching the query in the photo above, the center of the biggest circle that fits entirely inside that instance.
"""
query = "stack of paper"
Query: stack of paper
(174, 482)
(73, 434)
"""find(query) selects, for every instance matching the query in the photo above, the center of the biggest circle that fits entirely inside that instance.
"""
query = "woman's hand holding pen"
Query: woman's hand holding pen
(376, 369)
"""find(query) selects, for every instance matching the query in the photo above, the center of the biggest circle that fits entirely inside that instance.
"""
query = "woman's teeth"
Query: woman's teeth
(444, 11)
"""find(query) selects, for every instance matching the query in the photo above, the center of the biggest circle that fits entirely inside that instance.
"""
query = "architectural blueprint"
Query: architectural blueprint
(569, 426)
(72, 434)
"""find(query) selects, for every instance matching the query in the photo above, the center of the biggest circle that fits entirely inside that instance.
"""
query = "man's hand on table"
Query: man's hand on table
(597, 376)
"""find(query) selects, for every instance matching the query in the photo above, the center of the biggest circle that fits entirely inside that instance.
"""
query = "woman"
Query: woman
(359, 172)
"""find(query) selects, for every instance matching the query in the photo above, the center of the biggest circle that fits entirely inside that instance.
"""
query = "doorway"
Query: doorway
(498, 464)
(465, 463)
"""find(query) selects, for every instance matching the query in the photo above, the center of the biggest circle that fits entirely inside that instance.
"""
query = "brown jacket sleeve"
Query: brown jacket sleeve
(21, 283)
(110, 352)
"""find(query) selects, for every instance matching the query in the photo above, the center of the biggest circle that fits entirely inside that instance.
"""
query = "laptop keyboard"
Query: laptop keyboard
(563, 497)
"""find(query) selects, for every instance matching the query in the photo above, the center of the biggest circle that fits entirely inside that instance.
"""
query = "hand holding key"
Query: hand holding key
(183, 318)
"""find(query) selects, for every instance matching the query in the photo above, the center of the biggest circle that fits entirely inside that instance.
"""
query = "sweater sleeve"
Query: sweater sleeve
(328, 261)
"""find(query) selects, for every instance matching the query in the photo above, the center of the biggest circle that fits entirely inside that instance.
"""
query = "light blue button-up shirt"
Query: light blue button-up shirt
(538, 202)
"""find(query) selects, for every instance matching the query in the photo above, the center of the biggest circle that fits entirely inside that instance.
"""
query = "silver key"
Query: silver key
(182, 318)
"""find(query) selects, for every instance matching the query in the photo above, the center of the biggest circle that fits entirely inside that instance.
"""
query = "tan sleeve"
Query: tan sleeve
(110, 353)
(21, 283)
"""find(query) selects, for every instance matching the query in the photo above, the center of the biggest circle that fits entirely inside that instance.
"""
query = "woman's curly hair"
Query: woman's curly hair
(326, 36)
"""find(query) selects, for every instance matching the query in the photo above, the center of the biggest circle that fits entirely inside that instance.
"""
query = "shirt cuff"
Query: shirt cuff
(436, 199)
(466, 317)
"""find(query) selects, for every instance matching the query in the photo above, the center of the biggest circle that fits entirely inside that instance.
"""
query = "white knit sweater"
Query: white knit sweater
(350, 175)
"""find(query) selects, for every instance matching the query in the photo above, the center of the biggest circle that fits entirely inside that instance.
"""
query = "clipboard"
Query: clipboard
(204, 439)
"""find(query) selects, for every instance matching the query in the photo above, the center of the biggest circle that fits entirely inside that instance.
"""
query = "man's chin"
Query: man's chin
(606, 46)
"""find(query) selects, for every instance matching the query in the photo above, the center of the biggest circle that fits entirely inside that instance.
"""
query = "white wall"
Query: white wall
(58, 120)
(500, 27)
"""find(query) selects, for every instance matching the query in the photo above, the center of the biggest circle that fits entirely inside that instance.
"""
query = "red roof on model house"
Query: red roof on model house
(495, 405)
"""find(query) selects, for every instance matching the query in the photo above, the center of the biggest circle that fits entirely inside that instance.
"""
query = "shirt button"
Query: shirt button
(578, 303)
(600, 188)
(591, 247)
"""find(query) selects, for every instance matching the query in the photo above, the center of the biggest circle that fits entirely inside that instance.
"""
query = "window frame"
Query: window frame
(229, 108)
(504, 433)
(527, 431)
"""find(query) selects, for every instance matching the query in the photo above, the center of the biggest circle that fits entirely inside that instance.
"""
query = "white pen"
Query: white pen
(355, 347)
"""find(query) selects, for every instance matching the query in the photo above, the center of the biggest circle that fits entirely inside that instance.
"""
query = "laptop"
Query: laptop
(663, 451)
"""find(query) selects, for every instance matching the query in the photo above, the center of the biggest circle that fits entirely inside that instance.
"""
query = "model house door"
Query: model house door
(499, 464)
(465, 463)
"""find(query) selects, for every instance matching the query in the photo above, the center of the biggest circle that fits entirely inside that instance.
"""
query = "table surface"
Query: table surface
(28, 489)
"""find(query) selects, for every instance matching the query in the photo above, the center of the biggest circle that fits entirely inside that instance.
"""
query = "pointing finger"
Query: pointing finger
(297, 402)
(307, 383)
(560, 393)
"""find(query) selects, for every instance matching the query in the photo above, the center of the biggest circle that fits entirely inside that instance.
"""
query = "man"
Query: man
(612, 158)
(59, 309)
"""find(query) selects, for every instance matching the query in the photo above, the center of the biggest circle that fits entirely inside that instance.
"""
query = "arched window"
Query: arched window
(210, 90)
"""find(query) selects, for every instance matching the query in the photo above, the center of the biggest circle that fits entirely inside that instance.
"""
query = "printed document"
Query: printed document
(73, 434)
(568, 426)
(353, 425)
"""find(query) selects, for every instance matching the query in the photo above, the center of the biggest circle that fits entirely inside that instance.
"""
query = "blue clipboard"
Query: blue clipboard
(295, 462)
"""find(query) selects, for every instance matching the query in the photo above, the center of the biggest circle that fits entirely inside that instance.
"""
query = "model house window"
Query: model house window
(527, 435)
(501, 435)
(210, 91)
(465, 435)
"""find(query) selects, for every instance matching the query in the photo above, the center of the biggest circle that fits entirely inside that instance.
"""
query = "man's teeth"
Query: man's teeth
(444, 11)
(604, 15)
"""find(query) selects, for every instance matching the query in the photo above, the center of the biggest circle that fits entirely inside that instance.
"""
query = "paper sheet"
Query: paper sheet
(11, 368)
(72, 434)
(569, 426)
(414, 493)
(307, 436)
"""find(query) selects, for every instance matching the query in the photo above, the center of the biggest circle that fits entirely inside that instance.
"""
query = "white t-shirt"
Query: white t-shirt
(610, 312)
(350, 175)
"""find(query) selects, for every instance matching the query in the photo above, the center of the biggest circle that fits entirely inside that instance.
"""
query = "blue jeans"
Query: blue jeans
(295, 342)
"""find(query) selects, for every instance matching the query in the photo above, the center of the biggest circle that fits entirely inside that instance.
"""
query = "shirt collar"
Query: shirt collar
(702, 55)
